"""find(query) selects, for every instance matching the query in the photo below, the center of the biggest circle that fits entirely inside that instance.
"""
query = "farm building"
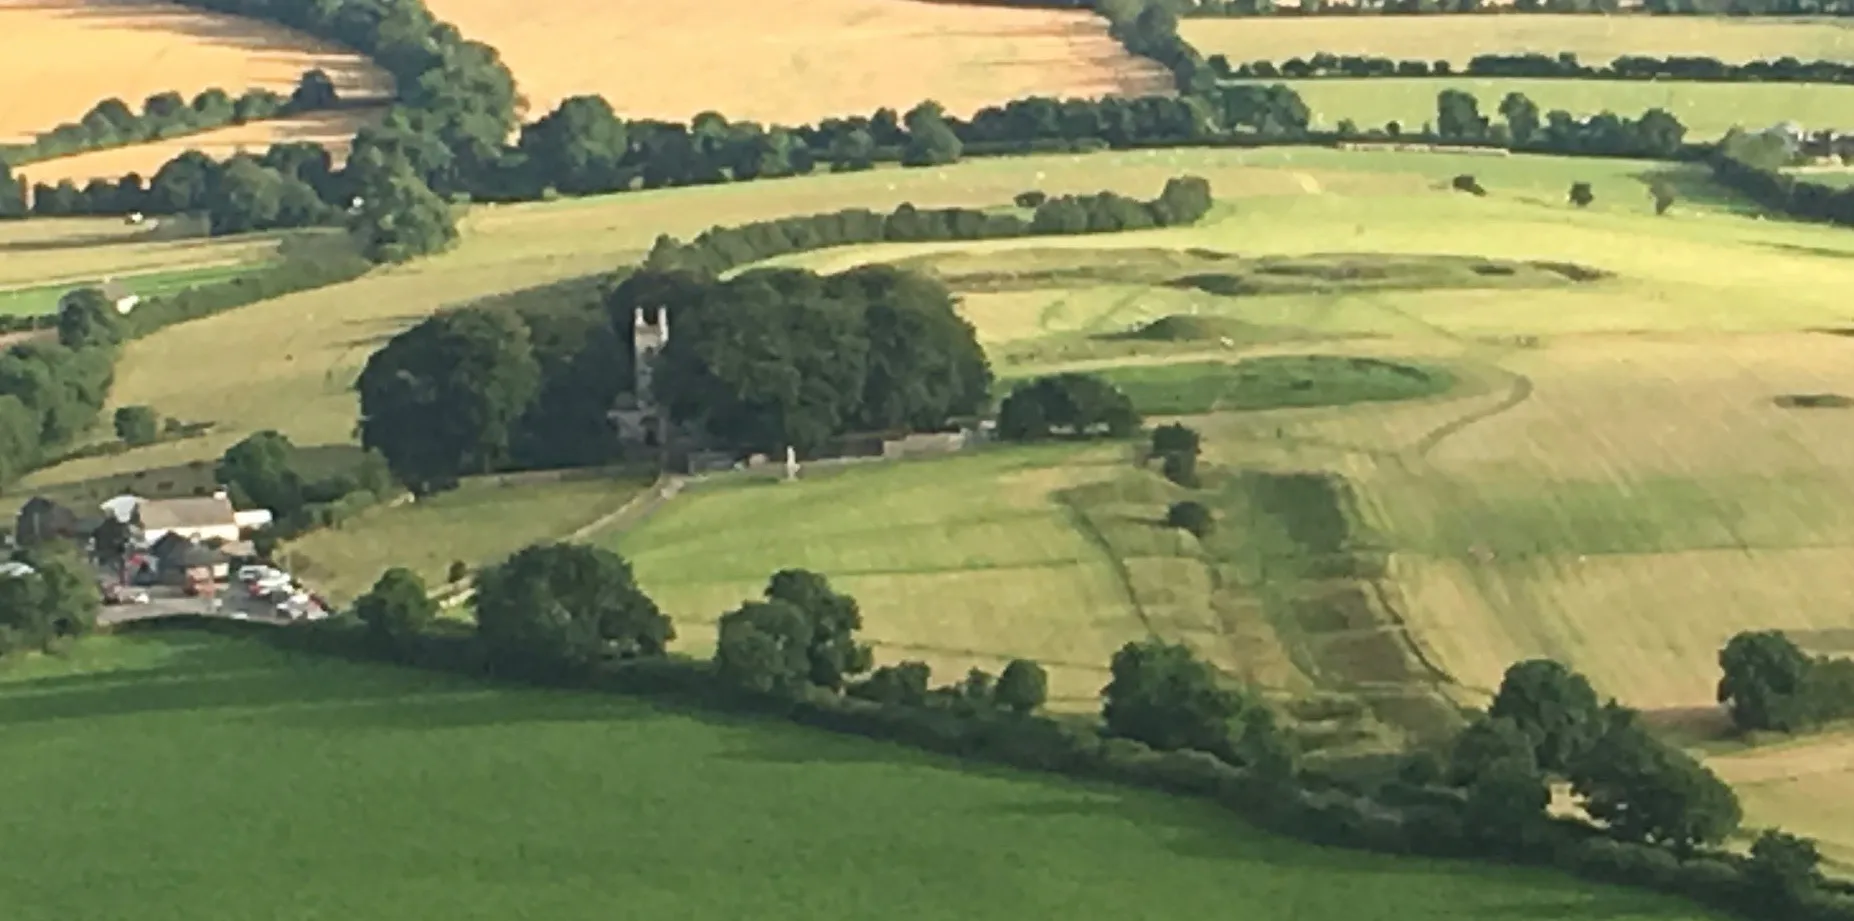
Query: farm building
(200, 519)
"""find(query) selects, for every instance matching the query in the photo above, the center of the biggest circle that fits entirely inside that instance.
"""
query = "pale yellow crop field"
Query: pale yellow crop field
(1802, 786)
(797, 62)
(1594, 39)
(333, 130)
(63, 56)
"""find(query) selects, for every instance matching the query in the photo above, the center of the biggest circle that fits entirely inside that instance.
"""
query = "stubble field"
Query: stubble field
(1594, 39)
(72, 54)
(798, 62)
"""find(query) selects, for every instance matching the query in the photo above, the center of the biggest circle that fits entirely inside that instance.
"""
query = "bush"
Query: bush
(1581, 195)
(1030, 199)
(1468, 184)
(1071, 404)
(137, 425)
(1180, 469)
(1190, 516)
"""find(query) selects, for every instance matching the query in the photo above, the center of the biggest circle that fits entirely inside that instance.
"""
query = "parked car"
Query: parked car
(120, 594)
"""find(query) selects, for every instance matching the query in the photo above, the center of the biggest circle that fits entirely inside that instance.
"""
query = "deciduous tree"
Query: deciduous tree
(1023, 686)
(1765, 676)
(554, 607)
(397, 607)
(1554, 706)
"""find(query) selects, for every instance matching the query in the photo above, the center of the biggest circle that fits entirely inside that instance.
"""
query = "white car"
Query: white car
(255, 573)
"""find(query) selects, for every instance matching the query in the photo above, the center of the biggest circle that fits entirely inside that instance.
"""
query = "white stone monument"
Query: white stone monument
(791, 464)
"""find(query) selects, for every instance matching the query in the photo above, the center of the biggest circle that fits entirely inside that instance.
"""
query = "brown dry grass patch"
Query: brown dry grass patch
(797, 62)
(72, 54)
(333, 130)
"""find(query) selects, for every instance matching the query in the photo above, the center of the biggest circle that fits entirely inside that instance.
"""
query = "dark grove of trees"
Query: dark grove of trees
(785, 357)
(768, 359)
(1753, 165)
(1534, 65)
(1068, 405)
(1184, 200)
(1768, 683)
(55, 602)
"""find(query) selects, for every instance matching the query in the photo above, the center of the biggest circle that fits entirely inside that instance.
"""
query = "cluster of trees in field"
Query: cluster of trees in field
(1770, 684)
(1067, 405)
(574, 615)
(1184, 200)
(54, 603)
(761, 361)
(111, 123)
(265, 471)
(1534, 65)
(1754, 165)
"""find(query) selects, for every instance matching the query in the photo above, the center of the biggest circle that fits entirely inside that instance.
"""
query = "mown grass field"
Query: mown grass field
(478, 524)
(73, 251)
(1707, 109)
(43, 299)
(1594, 39)
(333, 130)
(190, 777)
(1612, 483)
(64, 56)
(799, 62)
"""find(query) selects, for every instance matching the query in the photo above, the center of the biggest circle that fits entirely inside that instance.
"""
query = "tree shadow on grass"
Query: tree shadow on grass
(1694, 184)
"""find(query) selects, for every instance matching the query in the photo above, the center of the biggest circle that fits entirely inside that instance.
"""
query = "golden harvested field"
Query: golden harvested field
(797, 62)
(72, 54)
(1594, 39)
(333, 130)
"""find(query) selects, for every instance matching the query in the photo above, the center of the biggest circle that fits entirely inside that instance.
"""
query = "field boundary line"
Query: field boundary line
(1086, 528)
(1520, 391)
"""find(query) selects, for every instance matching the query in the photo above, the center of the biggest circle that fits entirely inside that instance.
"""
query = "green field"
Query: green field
(1615, 442)
(479, 523)
(1594, 39)
(42, 300)
(190, 777)
(1708, 110)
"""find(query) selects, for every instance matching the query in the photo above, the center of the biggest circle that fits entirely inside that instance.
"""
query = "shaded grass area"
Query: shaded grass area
(477, 524)
(406, 796)
(1273, 382)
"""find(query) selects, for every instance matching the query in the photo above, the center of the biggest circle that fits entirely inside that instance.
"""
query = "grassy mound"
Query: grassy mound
(255, 784)
(1350, 273)
(1274, 382)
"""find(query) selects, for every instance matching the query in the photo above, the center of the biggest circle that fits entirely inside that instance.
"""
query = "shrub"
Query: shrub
(1175, 438)
(1581, 195)
(1030, 199)
(1190, 516)
(137, 425)
(1468, 184)
(1180, 468)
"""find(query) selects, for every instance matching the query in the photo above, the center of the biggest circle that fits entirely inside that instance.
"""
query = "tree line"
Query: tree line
(111, 123)
(1535, 65)
(1657, 134)
(575, 616)
(1769, 684)
(1754, 164)
(1184, 200)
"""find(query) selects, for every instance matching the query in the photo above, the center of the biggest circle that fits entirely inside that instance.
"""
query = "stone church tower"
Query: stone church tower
(641, 420)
